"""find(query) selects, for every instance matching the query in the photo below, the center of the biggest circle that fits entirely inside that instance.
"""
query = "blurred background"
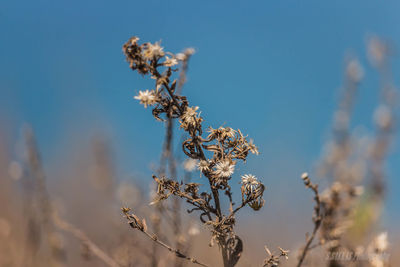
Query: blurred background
(273, 69)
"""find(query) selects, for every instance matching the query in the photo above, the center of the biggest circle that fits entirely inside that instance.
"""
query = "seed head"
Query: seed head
(169, 62)
(203, 165)
(147, 98)
(250, 182)
(153, 51)
(224, 169)
(190, 115)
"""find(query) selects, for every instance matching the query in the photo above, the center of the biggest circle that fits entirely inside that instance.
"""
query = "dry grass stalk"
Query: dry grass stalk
(344, 166)
(168, 160)
(317, 217)
(348, 163)
(40, 224)
(384, 116)
(80, 235)
(49, 217)
(103, 167)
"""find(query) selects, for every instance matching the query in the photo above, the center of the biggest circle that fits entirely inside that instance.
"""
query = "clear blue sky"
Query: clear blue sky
(270, 68)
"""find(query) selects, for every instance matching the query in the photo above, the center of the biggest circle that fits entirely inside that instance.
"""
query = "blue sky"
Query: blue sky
(270, 68)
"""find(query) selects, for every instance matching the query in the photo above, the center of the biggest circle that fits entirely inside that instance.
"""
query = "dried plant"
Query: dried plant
(343, 164)
(39, 221)
(217, 154)
(88, 244)
(384, 115)
(49, 218)
(349, 161)
(141, 225)
(317, 217)
(102, 176)
(274, 260)
(378, 249)
(35, 230)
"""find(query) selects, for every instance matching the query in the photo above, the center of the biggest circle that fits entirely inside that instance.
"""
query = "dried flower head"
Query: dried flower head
(252, 192)
(224, 169)
(250, 182)
(152, 51)
(170, 62)
(203, 165)
(252, 147)
(147, 98)
(190, 115)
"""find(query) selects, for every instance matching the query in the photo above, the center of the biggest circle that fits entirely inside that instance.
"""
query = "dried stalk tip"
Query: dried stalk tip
(274, 260)
(306, 179)
(317, 217)
(134, 221)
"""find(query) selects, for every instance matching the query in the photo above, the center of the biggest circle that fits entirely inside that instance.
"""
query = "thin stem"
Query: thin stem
(317, 217)
(140, 225)
(173, 250)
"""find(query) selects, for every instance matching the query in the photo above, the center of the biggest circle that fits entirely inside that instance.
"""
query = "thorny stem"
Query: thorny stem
(317, 218)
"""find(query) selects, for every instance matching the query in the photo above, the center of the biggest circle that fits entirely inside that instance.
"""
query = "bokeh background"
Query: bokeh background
(274, 69)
